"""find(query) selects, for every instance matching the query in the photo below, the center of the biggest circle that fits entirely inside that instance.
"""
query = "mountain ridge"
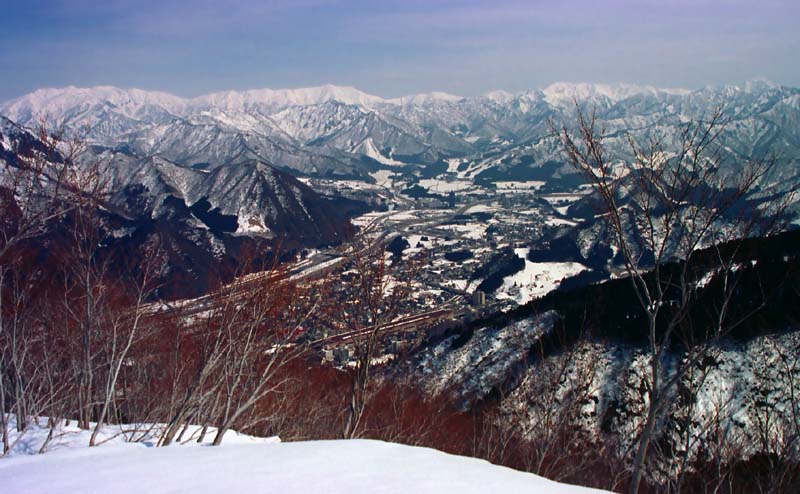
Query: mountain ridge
(340, 131)
(311, 95)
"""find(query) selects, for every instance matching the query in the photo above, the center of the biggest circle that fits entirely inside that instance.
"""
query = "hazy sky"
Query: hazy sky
(393, 48)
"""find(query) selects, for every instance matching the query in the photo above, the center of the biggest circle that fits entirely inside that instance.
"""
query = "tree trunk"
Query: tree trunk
(110, 390)
(644, 444)
(172, 431)
(203, 432)
(99, 424)
(52, 422)
(3, 421)
(19, 397)
(220, 434)
(183, 431)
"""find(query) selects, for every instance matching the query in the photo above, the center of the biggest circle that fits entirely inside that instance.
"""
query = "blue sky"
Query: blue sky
(392, 48)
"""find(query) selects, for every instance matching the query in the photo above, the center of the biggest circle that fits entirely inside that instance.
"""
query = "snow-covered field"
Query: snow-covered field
(243, 464)
(445, 186)
(482, 208)
(516, 186)
(475, 231)
(383, 177)
(537, 279)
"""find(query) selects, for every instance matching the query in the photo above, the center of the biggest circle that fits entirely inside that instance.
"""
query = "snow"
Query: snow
(322, 266)
(560, 221)
(253, 224)
(5, 143)
(444, 186)
(383, 178)
(499, 96)
(277, 98)
(562, 210)
(461, 284)
(481, 208)
(475, 231)
(474, 368)
(246, 464)
(452, 163)
(740, 387)
(524, 186)
(537, 279)
(367, 148)
(565, 93)
(136, 102)
(557, 198)
(50, 102)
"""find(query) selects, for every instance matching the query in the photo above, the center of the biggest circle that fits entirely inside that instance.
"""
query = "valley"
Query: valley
(453, 249)
(379, 247)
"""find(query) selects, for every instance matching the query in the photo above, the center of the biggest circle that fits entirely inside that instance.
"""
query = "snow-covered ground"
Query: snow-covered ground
(475, 230)
(70, 438)
(517, 186)
(482, 208)
(245, 464)
(383, 177)
(537, 279)
(445, 186)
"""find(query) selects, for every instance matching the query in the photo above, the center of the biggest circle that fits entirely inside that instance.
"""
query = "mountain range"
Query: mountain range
(219, 170)
(207, 223)
(343, 132)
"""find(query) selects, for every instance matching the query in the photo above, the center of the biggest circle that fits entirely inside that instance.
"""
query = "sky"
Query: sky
(392, 48)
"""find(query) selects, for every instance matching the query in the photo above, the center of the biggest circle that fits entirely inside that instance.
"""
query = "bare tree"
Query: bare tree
(671, 199)
(39, 183)
(198, 352)
(231, 354)
(87, 290)
(122, 329)
(774, 414)
(264, 332)
(373, 299)
(20, 351)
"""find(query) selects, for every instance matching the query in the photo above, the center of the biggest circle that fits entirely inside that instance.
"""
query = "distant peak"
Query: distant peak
(425, 98)
(288, 97)
(49, 102)
(499, 96)
(559, 92)
(759, 84)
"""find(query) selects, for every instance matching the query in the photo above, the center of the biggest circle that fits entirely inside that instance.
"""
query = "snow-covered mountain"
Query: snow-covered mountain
(226, 148)
(155, 139)
(324, 130)
(282, 98)
(203, 219)
(577, 362)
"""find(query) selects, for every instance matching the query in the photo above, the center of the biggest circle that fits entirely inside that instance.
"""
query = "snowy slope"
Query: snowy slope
(319, 130)
(742, 385)
(245, 465)
(536, 279)
(473, 368)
